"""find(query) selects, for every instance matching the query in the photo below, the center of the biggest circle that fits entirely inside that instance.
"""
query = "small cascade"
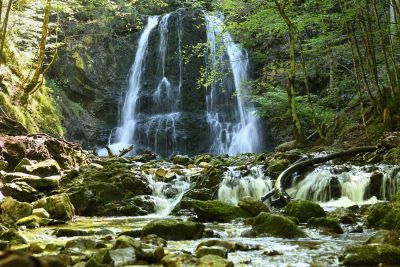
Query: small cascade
(233, 128)
(168, 195)
(240, 183)
(324, 183)
(390, 182)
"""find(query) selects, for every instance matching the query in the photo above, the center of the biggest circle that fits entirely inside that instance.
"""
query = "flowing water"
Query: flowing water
(158, 122)
(233, 128)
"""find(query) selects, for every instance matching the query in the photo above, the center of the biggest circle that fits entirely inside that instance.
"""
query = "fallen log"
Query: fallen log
(121, 153)
(279, 190)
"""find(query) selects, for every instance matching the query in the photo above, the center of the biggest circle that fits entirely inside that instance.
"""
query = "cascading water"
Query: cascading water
(162, 111)
(233, 128)
(240, 183)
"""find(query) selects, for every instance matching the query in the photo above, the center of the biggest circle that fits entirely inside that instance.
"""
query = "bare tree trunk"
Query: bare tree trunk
(308, 89)
(4, 30)
(299, 136)
(42, 47)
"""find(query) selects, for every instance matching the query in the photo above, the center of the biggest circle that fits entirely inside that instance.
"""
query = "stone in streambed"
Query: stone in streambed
(384, 237)
(213, 250)
(13, 237)
(344, 215)
(175, 260)
(14, 210)
(328, 224)
(304, 210)
(20, 191)
(252, 205)
(371, 255)
(181, 159)
(32, 221)
(80, 244)
(276, 225)
(123, 256)
(151, 241)
(214, 260)
(170, 229)
(58, 206)
(210, 211)
(41, 212)
(70, 232)
(45, 168)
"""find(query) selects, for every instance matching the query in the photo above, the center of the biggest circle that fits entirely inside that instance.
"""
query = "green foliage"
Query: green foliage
(274, 104)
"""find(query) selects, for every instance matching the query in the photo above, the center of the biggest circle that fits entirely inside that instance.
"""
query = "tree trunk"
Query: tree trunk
(4, 30)
(279, 189)
(308, 90)
(299, 136)
(42, 47)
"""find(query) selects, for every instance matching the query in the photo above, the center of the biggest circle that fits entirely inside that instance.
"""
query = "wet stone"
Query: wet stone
(213, 250)
(123, 256)
(70, 232)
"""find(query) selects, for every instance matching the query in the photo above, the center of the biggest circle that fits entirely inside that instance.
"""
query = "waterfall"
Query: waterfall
(237, 184)
(233, 128)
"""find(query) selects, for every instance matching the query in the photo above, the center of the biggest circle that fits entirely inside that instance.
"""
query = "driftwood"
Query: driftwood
(95, 151)
(121, 153)
(279, 189)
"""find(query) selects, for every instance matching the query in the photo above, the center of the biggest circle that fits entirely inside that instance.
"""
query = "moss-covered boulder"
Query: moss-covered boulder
(13, 237)
(304, 210)
(252, 205)
(392, 156)
(181, 159)
(385, 215)
(327, 224)
(20, 191)
(210, 211)
(58, 206)
(175, 260)
(32, 222)
(276, 225)
(384, 237)
(203, 158)
(45, 168)
(213, 250)
(371, 255)
(276, 166)
(170, 229)
(344, 215)
(214, 260)
(13, 210)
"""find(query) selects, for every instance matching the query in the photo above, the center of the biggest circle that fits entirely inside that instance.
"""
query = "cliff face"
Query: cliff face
(94, 71)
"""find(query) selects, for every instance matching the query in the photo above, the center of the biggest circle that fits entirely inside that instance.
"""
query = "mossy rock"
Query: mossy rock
(261, 158)
(385, 216)
(203, 158)
(170, 229)
(210, 211)
(276, 225)
(328, 224)
(13, 237)
(181, 159)
(252, 205)
(371, 255)
(132, 210)
(304, 210)
(278, 165)
(32, 221)
(393, 156)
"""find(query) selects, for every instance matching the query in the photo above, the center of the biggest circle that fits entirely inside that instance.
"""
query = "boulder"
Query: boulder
(252, 205)
(384, 237)
(102, 256)
(304, 210)
(13, 237)
(228, 245)
(125, 241)
(20, 191)
(41, 183)
(67, 232)
(23, 162)
(148, 203)
(41, 212)
(170, 229)
(177, 260)
(199, 194)
(80, 244)
(203, 158)
(371, 255)
(210, 211)
(32, 221)
(11, 176)
(214, 260)
(385, 215)
(14, 210)
(181, 159)
(58, 206)
(45, 168)
(213, 250)
(123, 256)
(151, 241)
(276, 225)
(328, 224)
(344, 215)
